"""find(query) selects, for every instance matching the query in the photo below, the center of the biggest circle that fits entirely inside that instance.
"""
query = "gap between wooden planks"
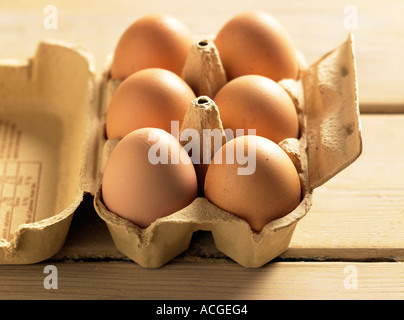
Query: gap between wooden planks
(207, 280)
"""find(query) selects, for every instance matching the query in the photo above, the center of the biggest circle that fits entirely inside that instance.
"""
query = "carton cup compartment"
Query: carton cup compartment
(44, 105)
(325, 97)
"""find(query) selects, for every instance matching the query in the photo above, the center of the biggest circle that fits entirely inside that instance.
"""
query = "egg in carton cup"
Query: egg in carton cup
(48, 137)
(325, 97)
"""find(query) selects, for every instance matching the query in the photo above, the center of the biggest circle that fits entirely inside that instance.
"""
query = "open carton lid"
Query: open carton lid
(48, 112)
(331, 98)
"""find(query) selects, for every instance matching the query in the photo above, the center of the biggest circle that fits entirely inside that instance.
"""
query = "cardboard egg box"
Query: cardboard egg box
(48, 141)
(53, 150)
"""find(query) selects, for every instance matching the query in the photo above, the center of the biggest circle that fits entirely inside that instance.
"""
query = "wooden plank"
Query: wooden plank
(359, 214)
(208, 280)
(315, 26)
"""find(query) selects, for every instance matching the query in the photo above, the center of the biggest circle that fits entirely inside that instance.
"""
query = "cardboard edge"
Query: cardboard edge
(38, 241)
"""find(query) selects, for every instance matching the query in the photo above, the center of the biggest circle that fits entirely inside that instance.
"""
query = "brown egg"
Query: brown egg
(148, 175)
(254, 42)
(153, 41)
(148, 98)
(257, 102)
(261, 185)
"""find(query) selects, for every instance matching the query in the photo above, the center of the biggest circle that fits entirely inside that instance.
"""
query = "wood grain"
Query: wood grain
(316, 27)
(207, 281)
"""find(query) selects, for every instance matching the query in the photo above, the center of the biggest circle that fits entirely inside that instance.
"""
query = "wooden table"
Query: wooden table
(351, 243)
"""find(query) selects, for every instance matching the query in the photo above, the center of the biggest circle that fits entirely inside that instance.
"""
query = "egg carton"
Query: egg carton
(54, 108)
(325, 97)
